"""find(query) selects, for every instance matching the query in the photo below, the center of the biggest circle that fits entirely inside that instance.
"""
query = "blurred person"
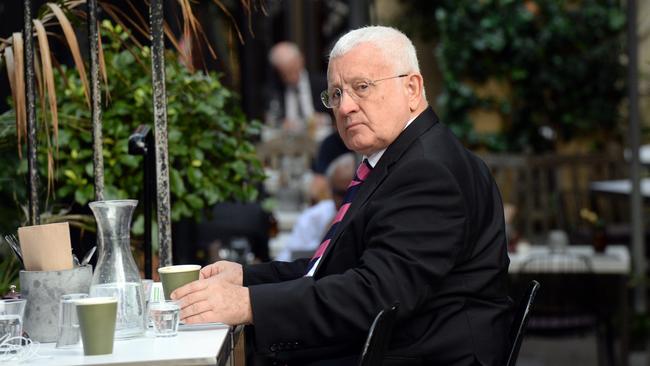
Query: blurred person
(329, 149)
(312, 223)
(294, 98)
(422, 225)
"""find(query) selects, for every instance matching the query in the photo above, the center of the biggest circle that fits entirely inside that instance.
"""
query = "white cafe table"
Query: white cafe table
(615, 259)
(620, 187)
(190, 347)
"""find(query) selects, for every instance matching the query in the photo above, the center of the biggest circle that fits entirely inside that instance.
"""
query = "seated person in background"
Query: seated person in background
(294, 98)
(330, 148)
(422, 225)
(314, 221)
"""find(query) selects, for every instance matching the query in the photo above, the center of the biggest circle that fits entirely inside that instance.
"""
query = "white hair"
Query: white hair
(347, 162)
(396, 47)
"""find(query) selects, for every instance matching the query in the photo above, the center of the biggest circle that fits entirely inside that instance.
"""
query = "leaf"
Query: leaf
(20, 102)
(176, 182)
(48, 75)
(71, 38)
(194, 201)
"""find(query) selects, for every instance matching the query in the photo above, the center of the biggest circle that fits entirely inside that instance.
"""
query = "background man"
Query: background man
(294, 93)
(312, 223)
(422, 224)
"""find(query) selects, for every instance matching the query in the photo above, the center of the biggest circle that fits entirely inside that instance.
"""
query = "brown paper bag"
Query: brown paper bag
(46, 247)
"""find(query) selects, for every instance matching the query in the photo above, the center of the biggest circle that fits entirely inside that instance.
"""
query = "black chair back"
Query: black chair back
(519, 322)
(378, 337)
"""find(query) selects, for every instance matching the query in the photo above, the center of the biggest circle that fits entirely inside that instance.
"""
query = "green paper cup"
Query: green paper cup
(97, 317)
(173, 277)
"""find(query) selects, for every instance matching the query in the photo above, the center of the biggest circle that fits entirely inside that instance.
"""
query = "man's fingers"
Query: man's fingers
(195, 309)
(204, 317)
(193, 298)
(189, 288)
(206, 272)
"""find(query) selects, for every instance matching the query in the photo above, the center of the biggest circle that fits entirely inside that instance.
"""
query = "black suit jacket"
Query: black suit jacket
(426, 229)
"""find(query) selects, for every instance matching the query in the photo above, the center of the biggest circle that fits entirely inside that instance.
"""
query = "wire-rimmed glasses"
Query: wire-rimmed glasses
(360, 89)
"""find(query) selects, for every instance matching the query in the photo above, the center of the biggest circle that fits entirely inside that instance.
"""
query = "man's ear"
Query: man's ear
(414, 88)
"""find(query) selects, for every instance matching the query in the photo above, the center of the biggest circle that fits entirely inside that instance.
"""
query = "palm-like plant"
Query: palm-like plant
(49, 74)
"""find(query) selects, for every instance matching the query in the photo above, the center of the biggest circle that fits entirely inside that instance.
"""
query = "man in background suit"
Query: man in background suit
(424, 228)
(294, 95)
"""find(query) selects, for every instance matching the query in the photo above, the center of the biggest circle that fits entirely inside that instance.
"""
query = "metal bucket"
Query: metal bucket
(43, 290)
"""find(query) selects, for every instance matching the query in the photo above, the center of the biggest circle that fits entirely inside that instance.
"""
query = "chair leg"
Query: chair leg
(600, 346)
(605, 344)
(609, 339)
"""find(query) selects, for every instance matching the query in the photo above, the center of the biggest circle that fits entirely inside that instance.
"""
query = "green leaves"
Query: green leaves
(210, 154)
(560, 61)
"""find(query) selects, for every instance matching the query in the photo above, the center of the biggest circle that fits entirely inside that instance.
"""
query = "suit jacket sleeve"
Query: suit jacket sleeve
(274, 272)
(411, 232)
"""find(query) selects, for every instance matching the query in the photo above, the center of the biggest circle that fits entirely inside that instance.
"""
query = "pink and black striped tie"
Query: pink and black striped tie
(362, 173)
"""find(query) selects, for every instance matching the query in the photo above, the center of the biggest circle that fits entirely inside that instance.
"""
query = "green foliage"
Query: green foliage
(560, 59)
(211, 153)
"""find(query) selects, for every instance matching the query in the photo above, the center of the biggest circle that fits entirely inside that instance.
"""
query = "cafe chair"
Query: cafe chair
(379, 337)
(519, 322)
(572, 303)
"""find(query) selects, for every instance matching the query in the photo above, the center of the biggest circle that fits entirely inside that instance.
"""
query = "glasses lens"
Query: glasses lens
(325, 98)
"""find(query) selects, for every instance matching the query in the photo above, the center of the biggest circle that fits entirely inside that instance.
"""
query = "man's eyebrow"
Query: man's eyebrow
(349, 81)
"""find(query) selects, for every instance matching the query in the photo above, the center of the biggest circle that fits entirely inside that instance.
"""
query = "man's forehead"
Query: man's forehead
(359, 63)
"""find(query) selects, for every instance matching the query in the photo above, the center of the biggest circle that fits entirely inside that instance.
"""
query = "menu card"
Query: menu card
(46, 247)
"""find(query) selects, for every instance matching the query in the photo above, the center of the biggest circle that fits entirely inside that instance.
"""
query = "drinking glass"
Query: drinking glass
(165, 316)
(68, 326)
(12, 312)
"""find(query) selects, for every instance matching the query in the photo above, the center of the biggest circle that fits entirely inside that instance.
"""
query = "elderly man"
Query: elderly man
(422, 225)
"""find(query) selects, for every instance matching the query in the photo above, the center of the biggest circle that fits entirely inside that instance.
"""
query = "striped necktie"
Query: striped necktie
(362, 173)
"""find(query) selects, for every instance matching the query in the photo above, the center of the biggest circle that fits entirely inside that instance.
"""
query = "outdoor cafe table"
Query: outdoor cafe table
(613, 265)
(620, 187)
(212, 346)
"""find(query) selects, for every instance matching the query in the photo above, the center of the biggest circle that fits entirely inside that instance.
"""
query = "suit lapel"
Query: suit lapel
(421, 124)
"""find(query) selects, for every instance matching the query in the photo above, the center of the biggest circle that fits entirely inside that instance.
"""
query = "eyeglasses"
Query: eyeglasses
(360, 89)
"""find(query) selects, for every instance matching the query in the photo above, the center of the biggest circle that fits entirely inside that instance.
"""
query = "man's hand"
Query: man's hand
(227, 271)
(214, 299)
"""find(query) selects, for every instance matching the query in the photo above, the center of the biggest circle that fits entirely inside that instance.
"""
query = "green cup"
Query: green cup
(173, 277)
(97, 317)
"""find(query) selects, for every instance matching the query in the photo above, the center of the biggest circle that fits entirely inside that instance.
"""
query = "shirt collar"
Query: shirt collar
(373, 159)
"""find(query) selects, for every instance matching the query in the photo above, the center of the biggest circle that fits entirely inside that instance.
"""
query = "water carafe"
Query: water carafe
(116, 273)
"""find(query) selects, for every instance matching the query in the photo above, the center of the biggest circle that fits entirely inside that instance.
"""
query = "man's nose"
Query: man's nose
(347, 104)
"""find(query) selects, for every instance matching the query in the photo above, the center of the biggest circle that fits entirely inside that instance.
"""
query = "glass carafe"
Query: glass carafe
(116, 273)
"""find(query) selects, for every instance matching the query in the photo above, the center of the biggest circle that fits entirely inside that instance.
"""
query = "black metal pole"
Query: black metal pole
(95, 100)
(32, 170)
(141, 143)
(638, 247)
(149, 197)
(160, 131)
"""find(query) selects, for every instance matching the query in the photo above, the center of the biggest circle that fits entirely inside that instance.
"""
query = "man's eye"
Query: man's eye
(361, 87)
(336, 94)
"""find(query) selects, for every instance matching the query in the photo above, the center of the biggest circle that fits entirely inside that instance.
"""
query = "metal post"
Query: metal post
(95, 100)
(638, 246)
(160, 131)
(32, 170)
(141, 143)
